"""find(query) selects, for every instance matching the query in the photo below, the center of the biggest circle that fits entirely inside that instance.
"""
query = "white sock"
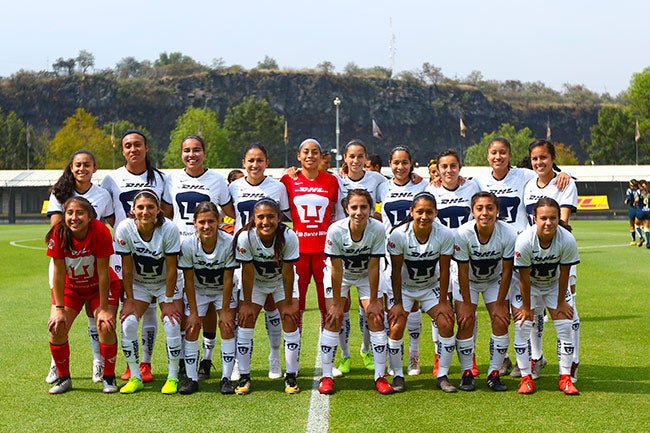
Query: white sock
(191, 353)
(149, 332)
(94, 339)
(536, 334)
(365, 332)
(498, 350)
(291, 351)
(228, 347)
(575, 327)
(379, 342)
(174, 343)
(434, 333)
(565, 346)
(446, 346)
(208, 347)
(414, 328)
(344, 335)
(395, 356)
(328, 342)
(131, 345)
(244, 349)
(465, 350)
(522, 347)
(274, 330)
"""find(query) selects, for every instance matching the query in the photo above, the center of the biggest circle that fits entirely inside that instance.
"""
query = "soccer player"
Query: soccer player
(542, 157)
(396, 204)
(484, 252)
(354, 246)
(544, 254)
(420, 250)
(149, 244)
(630, 196)
(643, 212)
(186, 189)
(81, 246)
(267, 250)
(76, 182)
(245, 193)
(207, 261)
(123, 184)
(313, 194)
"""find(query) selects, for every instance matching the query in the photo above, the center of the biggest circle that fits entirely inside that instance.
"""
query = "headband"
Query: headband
(310, 140)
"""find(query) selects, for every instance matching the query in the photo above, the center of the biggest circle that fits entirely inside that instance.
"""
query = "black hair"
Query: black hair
(256, 146)
(279, 241)
(193, 137)
(549, 202)
(357, 192)
(484, 194)
(160, 217)
(151, 170)
(549, 146)
(449, 152)
(404, 149)
(375, 160)
(525, 163)
(61, 230)
(64, 188)
(234, 175)
(355, 142)
(206, 206)
(423, 195)
(503, 140)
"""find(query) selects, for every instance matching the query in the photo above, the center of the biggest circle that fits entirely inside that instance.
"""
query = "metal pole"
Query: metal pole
(337, 103)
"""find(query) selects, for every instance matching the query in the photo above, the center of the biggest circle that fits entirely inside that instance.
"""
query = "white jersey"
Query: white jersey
(568, 198)
(375, 183)
(149, 269)
(123, 185)
(355, 254)
(98, 197)
(454, 206)
(510, 191)
(208, 267)
(544, 263)
(244, 196)
(396, 202)
(187, 191)
(485, 260)
(421, 268)
(268, 272)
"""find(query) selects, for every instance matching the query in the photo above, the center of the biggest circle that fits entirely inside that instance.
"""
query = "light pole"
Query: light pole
(337, 103)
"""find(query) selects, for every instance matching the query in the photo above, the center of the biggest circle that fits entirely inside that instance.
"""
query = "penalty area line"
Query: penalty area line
(319, 404)
(29, 247)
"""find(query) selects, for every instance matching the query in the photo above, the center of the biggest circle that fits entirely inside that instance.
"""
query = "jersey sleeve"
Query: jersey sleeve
(570, 250)
(55, 247)
(53, 206)
(166, 195)
(569, 197)
(509, 238)
(186, 259)
(171, 239)
(523, 250)
(382, 190)
(102, 240)
(461, 249)
(332, 242)
(378, 247)
(396, 243)
(447, 244)
(284, 197)
(291, 251)
(123, 241)
(243, 253)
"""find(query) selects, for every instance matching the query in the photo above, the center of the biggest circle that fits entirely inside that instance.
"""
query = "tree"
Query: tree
(352, 69)
(254, 121)
(612, 138)
(638, 94)
(268, 63)
(326, 67)
(177, 64)
(203, 122)
(432, 74)
(564, 155)
(519, 141)
(13, 143)
(80, 131)
(64, 67)
(129, 67)
(85, 61)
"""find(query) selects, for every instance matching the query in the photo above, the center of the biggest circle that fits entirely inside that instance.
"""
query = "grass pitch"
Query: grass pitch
(614, 378)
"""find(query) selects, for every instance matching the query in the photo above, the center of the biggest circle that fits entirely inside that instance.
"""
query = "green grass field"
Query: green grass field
(614, 376)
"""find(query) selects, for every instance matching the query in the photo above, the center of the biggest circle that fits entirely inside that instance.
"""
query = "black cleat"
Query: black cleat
(494, 382)
(467, 381)
(226, 386)
(189, 387)
(204, 369)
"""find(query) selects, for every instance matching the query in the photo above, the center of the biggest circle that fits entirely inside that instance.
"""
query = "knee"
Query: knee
(172, 329)
(130, 327)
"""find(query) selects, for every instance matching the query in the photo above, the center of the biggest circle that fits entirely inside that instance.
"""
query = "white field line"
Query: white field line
(17, 244)
(319, 404)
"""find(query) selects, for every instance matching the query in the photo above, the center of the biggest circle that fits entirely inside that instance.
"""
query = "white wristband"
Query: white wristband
(168, 300)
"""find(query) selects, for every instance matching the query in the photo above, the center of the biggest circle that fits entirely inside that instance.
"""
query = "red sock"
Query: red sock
(61, 356)
(109, 353)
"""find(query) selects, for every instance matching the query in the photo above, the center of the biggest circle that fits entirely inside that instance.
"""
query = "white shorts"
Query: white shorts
(428, 297)
(204, 300)
(540, 297)
(148, 294)
(261, 292)
(573, 275)
(362, 284)
(490, 292)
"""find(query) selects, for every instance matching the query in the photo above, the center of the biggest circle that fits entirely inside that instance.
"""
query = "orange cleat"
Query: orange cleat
(326, 385)
(567, 386)
(145, 371)
(435, 365)
(127, 373)
(527, 385)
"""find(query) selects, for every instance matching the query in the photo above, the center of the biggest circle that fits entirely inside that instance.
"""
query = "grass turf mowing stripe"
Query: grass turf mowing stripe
(319, 404)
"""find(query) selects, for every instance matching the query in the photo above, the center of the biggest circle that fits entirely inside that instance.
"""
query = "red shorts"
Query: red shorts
(76, 299)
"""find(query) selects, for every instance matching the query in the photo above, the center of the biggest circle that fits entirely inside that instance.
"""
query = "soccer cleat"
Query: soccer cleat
(537, 366)
(640, 244)
(291, 384)
(204, 369)
(527, 385)
(414, 365)
(63, 384)
(134, 384)
(189, 387)
(398, 384)
(443, 383)
(145, 372)
(52, 375)
(567, 386)
(632, 243)
(467, 381)
(474, 367)
(225, 386)
(506, 365)
(368, 361)
(234, 376)
(98, 371)
(516, 372)
(326, 385)
(494, 382)
(170, 386)
(383, 387)
(574, 372)
(435, 365)
(110, 386)
(275, 369)
(182, 372)
(344, 364)
(127, 373)
(336, 372)
(244, 385)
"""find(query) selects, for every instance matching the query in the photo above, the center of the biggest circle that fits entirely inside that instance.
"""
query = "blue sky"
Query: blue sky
(596, 43)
